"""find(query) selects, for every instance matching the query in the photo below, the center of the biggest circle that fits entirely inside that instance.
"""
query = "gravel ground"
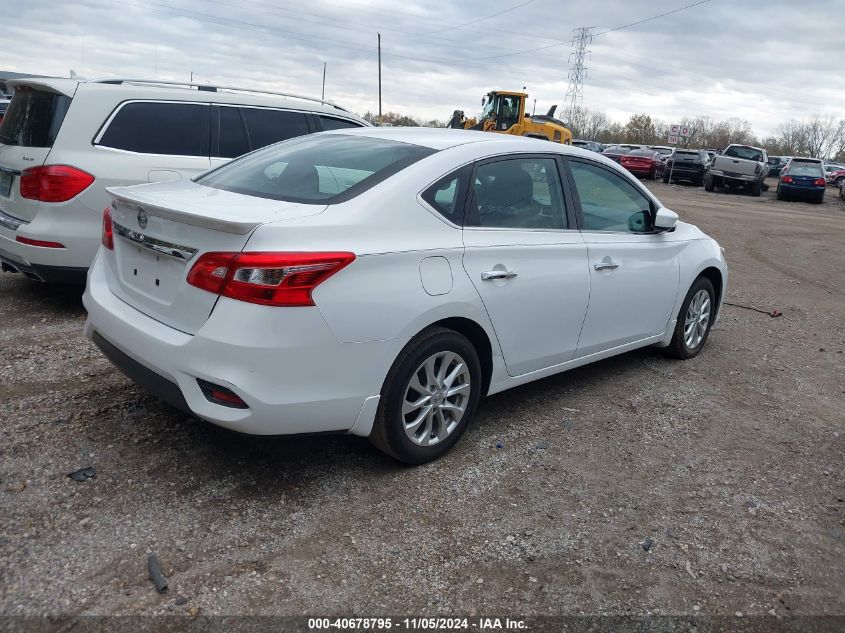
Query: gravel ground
(730, 465)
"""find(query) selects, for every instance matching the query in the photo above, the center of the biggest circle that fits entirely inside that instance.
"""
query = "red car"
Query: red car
(836, 178)
(644, 162)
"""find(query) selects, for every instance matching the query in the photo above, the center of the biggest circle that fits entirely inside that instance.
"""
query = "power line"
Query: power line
(486, 17)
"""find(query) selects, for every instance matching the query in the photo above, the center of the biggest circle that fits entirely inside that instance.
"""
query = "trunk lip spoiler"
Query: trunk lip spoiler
(141, 202)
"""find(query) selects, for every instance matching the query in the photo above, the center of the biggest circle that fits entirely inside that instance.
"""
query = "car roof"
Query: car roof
(444, 138)
(173, 90)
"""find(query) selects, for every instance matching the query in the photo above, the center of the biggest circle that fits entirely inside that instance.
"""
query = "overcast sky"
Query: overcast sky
(764, 61)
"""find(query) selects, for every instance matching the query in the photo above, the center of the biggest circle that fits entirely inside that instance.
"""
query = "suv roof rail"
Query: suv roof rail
(211, 88)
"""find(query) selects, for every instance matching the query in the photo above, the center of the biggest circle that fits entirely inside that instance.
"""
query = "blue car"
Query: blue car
(802, 177)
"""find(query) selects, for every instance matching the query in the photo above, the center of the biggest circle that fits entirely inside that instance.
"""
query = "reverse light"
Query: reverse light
(108, 229)
(267, 278)
(41, 243)
(54, 183)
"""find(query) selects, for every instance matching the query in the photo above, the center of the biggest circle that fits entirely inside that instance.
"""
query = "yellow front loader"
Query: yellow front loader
(504, 112)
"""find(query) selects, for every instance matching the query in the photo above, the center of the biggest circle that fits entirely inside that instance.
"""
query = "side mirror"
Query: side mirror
(665, 219)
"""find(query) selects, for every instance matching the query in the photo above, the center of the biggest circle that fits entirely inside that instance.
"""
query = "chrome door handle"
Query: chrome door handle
(497, 274)
(606, 265)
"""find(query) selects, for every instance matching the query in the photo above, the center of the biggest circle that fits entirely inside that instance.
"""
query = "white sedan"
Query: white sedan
(380, 281)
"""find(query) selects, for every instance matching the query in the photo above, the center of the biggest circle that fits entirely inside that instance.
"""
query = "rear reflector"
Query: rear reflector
(108, 229)
(221, 395)
(272, 279)
(41, 243)
(54, 183)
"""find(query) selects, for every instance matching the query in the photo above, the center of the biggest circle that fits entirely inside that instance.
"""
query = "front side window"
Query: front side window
(159, 128)
(608, 201)
(315, 169)
(266, 126)
(520, 193)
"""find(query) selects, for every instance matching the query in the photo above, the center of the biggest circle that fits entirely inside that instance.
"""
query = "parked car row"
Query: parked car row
(372, 281)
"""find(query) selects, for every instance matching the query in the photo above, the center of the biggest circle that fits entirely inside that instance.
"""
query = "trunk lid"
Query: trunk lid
(27, 133)
(161, 230)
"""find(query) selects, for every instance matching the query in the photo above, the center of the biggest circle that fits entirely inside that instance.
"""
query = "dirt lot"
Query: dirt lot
(731, 463)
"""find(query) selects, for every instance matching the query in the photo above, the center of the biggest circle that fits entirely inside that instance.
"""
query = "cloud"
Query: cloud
(764, 62)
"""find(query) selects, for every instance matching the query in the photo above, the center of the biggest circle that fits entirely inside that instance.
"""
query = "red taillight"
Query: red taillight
(820, 182)
(41, 243)
(108, 229)
(54, 183)
(273, 279)
(786, 179)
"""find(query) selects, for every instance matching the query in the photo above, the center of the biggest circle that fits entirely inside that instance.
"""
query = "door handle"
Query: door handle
(607, 264)
(497, 274)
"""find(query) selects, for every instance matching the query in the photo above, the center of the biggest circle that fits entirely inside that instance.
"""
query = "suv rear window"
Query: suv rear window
(321, 169)
(33, 118)
(176, 129)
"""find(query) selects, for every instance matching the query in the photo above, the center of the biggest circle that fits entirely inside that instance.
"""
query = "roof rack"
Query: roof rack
(210, 88)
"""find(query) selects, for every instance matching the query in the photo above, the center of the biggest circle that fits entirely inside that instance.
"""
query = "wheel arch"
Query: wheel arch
(477, 335)
(714, 275)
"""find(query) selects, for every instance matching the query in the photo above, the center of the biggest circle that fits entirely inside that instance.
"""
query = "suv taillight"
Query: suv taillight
(54, 183)
(272, 279)
(108, 229)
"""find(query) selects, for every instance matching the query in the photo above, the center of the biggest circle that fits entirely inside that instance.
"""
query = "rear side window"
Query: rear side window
(232, 140)
(33, 118)
(266, 127)
(448, 195)
(331, 123)
(315, 169)
(177, 129)
(519, 193)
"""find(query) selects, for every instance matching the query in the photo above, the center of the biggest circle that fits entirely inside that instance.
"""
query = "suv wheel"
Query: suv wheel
(428, 397)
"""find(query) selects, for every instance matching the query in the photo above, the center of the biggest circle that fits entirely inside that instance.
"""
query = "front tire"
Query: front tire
(694, 320)
(429, 396)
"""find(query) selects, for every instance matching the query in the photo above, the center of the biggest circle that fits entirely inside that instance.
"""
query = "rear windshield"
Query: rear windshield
(320, 169)
(805, 168)
(748, 153)
(33, 118)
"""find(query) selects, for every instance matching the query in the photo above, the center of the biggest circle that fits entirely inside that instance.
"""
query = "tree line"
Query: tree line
(817, 136)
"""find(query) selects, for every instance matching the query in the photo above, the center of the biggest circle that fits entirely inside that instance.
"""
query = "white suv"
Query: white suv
(64, 141)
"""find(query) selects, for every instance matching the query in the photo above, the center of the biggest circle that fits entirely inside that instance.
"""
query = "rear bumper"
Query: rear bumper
(685, 172)
(71, 224)
(285, 364)
(718, 173)
(801, 190)
(48, 274)
(640, 171)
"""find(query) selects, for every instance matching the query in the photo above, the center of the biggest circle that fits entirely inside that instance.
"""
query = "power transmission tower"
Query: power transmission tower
(577, 73)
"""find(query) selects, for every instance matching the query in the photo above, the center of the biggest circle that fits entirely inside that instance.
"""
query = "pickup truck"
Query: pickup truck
(738, 166)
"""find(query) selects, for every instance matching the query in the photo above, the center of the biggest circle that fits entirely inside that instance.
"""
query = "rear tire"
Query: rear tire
(417, 424)
(709, 183)
(780, 195)
(756, 188)
(666, 177)
(819, 199)
(693, 327)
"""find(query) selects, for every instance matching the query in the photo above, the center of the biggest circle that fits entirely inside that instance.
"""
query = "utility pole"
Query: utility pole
(574, 98)
(379, 80)
(323, 96)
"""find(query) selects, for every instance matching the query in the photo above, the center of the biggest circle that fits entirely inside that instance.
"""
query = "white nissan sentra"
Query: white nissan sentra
(380, 281)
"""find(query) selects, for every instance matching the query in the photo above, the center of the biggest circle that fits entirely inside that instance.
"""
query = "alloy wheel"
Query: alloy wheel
(436, 398)
(697, 319)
